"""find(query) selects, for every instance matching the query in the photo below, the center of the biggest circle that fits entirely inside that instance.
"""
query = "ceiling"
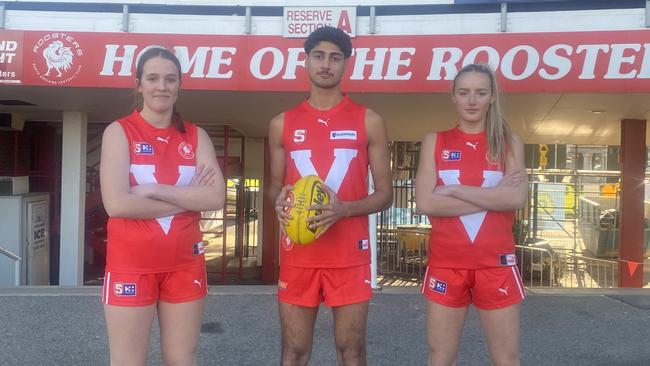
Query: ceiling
(538, 118)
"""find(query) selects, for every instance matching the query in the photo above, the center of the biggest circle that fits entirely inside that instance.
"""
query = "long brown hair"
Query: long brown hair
(499, 134)
(157, 51)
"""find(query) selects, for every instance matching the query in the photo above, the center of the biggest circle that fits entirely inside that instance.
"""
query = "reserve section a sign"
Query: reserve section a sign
(299, 22)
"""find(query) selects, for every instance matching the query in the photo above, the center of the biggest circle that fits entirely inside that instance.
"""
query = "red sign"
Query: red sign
(11, 57)
(617, 61)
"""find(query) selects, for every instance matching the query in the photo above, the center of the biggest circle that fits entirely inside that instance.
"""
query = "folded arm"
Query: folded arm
(427, 200)
(207, 190)
(114, 180)
(510, 194)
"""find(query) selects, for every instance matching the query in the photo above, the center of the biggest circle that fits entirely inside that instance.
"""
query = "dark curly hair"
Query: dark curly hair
(330, 34)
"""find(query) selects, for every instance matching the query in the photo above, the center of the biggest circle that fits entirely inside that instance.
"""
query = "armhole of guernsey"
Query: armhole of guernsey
(194, 133)
(286, 117)
(362, 121)
(437, 148)
(126, 130)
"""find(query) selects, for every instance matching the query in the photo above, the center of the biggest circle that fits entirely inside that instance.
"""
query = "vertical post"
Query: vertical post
(73, 198)
(242, 205)
(631, 241)
(226, 220)
(373, 23)
(2, 15)
(248, 25)
(270, 234)
(535, 203)
(17, 272)
(504, 17)
(16, 153)
(372, 234)
(125, 18)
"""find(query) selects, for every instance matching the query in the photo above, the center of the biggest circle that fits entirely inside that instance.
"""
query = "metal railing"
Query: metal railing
(16, 260)
(585, 272)
(536, 266)
(546, 267)
(556, 215)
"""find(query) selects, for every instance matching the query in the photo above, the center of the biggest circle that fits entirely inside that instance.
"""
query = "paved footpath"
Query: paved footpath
(65, 326)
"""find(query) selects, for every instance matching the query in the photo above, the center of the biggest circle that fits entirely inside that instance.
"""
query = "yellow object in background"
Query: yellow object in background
(543, 160)
(610, 189)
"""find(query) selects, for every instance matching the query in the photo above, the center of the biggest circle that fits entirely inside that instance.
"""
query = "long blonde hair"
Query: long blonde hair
(499, 134)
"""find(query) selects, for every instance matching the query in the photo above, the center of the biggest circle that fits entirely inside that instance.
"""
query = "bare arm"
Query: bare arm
(195, 197)
(510, 194)
(277, 193)
(426, 200)
(114, 180)
(379, 160)
(278, 163)
(382, 197)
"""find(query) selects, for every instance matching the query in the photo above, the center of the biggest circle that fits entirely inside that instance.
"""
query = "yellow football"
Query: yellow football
(308, 190)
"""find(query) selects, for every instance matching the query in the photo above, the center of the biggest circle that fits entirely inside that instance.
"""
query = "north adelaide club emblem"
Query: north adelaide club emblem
(287, 244)
(186, 150)
(60, 59)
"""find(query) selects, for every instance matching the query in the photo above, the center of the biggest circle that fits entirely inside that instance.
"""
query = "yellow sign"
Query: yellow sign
(543, 161)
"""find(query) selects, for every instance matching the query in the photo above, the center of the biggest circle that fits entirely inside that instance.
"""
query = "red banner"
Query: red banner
(616, 61)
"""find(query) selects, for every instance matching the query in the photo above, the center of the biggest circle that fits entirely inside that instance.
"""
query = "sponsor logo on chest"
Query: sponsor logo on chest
(451, 155)
(142, 148)
(343, 135)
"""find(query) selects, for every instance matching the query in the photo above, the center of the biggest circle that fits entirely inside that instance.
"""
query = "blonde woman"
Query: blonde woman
(470, 180)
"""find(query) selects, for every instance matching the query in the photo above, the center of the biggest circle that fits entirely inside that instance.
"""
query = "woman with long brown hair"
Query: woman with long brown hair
(157, 173)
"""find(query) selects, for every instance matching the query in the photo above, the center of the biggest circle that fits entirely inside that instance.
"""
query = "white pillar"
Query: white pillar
(372, 232)
(254, 168)
(73, 198)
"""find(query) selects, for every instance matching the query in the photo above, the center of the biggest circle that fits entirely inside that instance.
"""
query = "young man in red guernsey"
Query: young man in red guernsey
(330, 136)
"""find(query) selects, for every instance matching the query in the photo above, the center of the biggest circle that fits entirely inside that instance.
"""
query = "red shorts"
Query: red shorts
(124, 289)
(486, 288)
(335, 286)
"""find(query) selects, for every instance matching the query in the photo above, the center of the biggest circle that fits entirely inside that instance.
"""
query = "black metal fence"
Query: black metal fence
(566, 235)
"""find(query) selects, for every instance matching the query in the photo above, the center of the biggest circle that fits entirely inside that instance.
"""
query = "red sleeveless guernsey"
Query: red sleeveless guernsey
(479, 240)
(164, 244)
(331, 144)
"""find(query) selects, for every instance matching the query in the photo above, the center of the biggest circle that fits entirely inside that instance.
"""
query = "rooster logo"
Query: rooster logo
(63, 58)
(57, 57)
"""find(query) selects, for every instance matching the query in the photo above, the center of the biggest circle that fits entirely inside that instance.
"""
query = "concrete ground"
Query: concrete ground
(65, 326)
